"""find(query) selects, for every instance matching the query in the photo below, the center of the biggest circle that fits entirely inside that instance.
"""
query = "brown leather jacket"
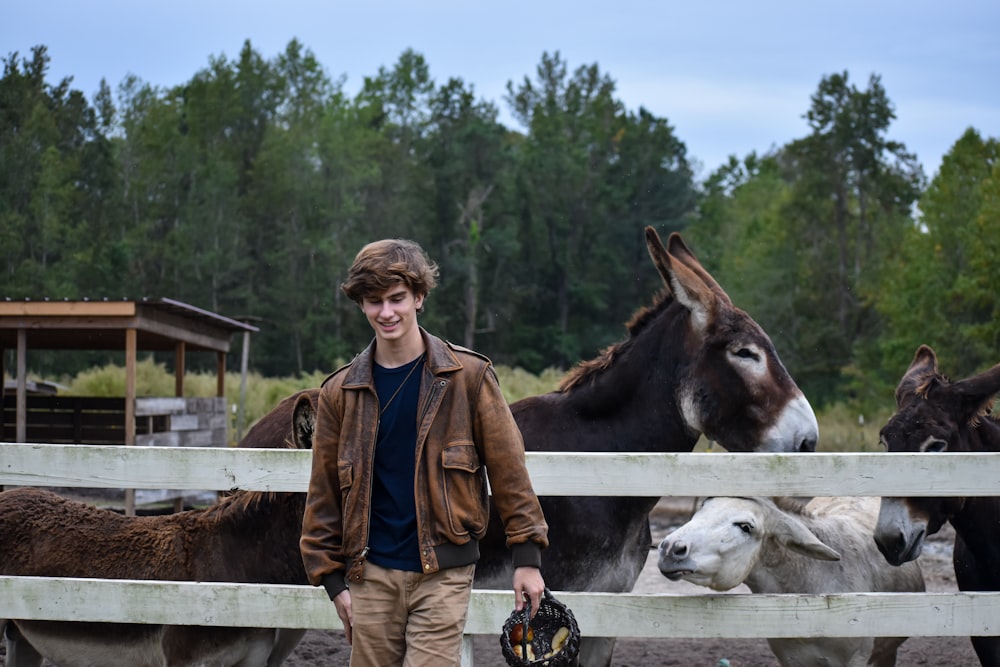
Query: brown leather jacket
(465, 433)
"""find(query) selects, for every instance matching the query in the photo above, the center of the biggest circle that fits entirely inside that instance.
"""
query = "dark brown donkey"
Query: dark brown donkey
(934, 414)
(692, 364)
(248, 537)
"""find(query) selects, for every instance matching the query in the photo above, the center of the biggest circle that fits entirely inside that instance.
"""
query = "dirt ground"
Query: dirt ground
(328, 649)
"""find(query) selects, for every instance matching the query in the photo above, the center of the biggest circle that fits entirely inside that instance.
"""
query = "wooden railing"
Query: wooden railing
(623, 615)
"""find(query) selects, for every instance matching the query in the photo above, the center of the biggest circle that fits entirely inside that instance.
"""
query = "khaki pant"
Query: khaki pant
(410, 619)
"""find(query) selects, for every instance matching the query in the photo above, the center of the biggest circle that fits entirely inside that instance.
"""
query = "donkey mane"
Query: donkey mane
(984, 412)
(587, 370)
(240, 501)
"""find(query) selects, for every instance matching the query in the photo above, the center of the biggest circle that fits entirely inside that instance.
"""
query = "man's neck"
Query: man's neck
(395, 353)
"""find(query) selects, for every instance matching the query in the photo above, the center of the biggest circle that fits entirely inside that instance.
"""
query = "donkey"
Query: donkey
(934, 414)
(247, 537)
(692, 364)
(786, 545)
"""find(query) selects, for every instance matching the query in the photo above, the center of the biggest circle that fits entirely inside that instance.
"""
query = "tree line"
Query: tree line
(248, 189)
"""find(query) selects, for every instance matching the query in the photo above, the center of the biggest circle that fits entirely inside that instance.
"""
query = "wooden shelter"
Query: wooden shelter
(130, 326)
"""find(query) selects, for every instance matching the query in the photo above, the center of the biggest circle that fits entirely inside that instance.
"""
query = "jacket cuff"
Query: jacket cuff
(526, 554)
(334, 583)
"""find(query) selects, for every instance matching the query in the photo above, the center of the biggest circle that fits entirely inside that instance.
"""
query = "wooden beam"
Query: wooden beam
(21, 409)
(179, 362)
(178, 391)
(241, 409)
(552, 474)
(130, 363)
(67, 308)
(633, 615)
(220, 374)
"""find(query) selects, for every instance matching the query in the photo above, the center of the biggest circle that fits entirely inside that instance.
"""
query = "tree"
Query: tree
(650, 182)
(853, 190)
(292, 217)
(396, 102)
(465, 150)
(590, 176)
(941, 286)
(742, 238)
(53, 181)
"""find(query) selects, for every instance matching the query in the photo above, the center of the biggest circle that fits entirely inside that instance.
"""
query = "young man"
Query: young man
(405, 437)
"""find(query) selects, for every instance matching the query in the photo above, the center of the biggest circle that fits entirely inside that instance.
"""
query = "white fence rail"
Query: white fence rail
(623, 615)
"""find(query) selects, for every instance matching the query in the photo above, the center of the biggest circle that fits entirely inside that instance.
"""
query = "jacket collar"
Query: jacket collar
(440, 359)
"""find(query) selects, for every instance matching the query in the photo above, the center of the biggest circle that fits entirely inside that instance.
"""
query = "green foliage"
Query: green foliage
(151, 379)
(590, 177)
(248, 189)
(944, 277)
(53, 179)
(262, 393)
(801, 237)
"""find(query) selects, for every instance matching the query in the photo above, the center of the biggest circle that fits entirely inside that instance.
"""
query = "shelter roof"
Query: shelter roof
(101, 324)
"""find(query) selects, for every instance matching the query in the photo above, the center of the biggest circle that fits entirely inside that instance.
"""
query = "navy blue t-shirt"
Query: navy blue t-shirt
(392, 537)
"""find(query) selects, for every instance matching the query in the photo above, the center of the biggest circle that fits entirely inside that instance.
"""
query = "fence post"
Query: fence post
(467, 652)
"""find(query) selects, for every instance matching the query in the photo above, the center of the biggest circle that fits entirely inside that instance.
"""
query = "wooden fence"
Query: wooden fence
(712, 615)
(93, 420)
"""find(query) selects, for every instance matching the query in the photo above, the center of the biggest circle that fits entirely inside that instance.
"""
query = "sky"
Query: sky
(730, 77)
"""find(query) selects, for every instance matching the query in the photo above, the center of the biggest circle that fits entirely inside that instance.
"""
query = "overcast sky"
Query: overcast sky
(730, 77)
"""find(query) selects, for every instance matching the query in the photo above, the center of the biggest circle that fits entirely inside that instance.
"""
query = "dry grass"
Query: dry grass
(841, 428)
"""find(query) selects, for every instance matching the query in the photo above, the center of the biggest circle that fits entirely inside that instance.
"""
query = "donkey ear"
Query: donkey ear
(922, 368)
(303, 421)
(795, 536)
(679, 250)
(682, 281)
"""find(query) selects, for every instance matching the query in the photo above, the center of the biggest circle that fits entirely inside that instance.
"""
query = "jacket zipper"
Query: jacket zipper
(371, 467)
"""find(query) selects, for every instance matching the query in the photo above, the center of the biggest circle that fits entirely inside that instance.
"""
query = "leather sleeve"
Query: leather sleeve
(321, 543)
(503, 452)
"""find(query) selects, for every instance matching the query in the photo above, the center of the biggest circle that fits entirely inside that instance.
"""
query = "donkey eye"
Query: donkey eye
(933, 445)
(745, 527)
(747, 353)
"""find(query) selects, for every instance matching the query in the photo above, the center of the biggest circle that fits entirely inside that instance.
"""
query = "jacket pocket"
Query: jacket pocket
(465, 489)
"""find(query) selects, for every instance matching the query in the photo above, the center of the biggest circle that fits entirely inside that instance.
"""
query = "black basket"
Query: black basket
(552, 615)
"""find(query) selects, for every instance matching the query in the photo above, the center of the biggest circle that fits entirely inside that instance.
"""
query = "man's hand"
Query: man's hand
(343, 604)
(528, 584)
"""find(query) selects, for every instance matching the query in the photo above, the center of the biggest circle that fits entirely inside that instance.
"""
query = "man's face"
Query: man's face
(393, 313)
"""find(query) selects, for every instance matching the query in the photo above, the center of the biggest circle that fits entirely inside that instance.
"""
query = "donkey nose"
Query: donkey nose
(673, 549)
(807, 444)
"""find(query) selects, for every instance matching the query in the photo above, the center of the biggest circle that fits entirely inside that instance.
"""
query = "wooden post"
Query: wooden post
(179, 349)
(21, 412)
(220, 374)
(244, 362)
(179, 365)
(2, 391)
(130, 363)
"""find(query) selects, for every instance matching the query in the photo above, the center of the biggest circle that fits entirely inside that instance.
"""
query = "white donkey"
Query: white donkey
(787, 545)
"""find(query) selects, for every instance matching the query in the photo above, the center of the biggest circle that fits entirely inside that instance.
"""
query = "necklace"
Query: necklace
(401, 385)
